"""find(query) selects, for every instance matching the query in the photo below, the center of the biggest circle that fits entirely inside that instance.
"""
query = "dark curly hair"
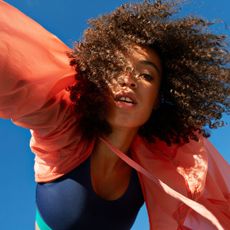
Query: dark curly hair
(196, 75)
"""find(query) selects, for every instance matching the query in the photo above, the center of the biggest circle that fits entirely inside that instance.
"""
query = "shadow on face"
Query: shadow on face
(135, 92)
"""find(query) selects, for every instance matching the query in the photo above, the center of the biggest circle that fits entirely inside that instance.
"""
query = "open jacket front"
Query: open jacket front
(34, 74)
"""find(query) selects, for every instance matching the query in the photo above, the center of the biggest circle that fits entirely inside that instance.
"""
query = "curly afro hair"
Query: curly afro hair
(195, 85)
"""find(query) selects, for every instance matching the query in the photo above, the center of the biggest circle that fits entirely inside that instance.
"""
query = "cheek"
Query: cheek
(151, 96)
(150, 103)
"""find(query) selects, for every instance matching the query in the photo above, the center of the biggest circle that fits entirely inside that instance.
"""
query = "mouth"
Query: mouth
(127, 99)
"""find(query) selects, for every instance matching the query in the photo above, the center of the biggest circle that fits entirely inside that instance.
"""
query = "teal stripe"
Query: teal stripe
(40, 222)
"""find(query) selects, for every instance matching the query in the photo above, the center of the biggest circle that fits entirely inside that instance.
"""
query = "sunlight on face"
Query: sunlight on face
(135, 92)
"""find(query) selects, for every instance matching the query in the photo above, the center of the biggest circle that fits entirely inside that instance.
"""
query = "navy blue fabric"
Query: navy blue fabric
(71, 203)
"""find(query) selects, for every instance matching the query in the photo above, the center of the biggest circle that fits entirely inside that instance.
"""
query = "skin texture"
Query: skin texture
(195, 86)
(142, 83)
(110, 175)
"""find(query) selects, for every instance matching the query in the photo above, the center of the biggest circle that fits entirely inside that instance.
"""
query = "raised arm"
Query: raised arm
(34, 69)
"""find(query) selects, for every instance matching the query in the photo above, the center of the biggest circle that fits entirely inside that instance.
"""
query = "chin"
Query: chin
(129, 121)
(126, 124)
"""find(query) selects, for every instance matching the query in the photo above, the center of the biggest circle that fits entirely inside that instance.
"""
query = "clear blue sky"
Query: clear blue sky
(67, 19)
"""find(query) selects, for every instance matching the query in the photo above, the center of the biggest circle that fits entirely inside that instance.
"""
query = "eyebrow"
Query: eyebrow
(145, 62)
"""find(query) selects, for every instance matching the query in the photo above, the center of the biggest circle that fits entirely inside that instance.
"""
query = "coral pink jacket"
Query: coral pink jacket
(184, 186)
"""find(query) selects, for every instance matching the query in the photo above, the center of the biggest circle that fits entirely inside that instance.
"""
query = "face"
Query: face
(135, 92)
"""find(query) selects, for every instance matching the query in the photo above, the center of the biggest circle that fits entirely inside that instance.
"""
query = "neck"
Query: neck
(120, 138)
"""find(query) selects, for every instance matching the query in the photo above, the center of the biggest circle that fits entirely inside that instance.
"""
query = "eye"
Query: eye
(147, 77)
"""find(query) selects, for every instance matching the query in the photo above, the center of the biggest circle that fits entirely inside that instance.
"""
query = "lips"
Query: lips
(126, 97)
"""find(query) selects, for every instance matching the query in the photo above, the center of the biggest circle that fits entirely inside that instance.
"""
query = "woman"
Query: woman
(140, 89)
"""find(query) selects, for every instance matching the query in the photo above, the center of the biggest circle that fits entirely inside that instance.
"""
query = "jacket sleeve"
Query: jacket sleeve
(216, 194)
(195, 170)
(34, 71)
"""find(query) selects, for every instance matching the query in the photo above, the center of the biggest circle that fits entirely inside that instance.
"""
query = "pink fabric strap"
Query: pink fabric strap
(190, 203)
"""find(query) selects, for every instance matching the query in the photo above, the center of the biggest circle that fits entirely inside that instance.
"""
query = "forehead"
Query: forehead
(143, 55)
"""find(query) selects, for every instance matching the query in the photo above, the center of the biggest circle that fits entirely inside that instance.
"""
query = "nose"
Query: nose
(127, 80)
